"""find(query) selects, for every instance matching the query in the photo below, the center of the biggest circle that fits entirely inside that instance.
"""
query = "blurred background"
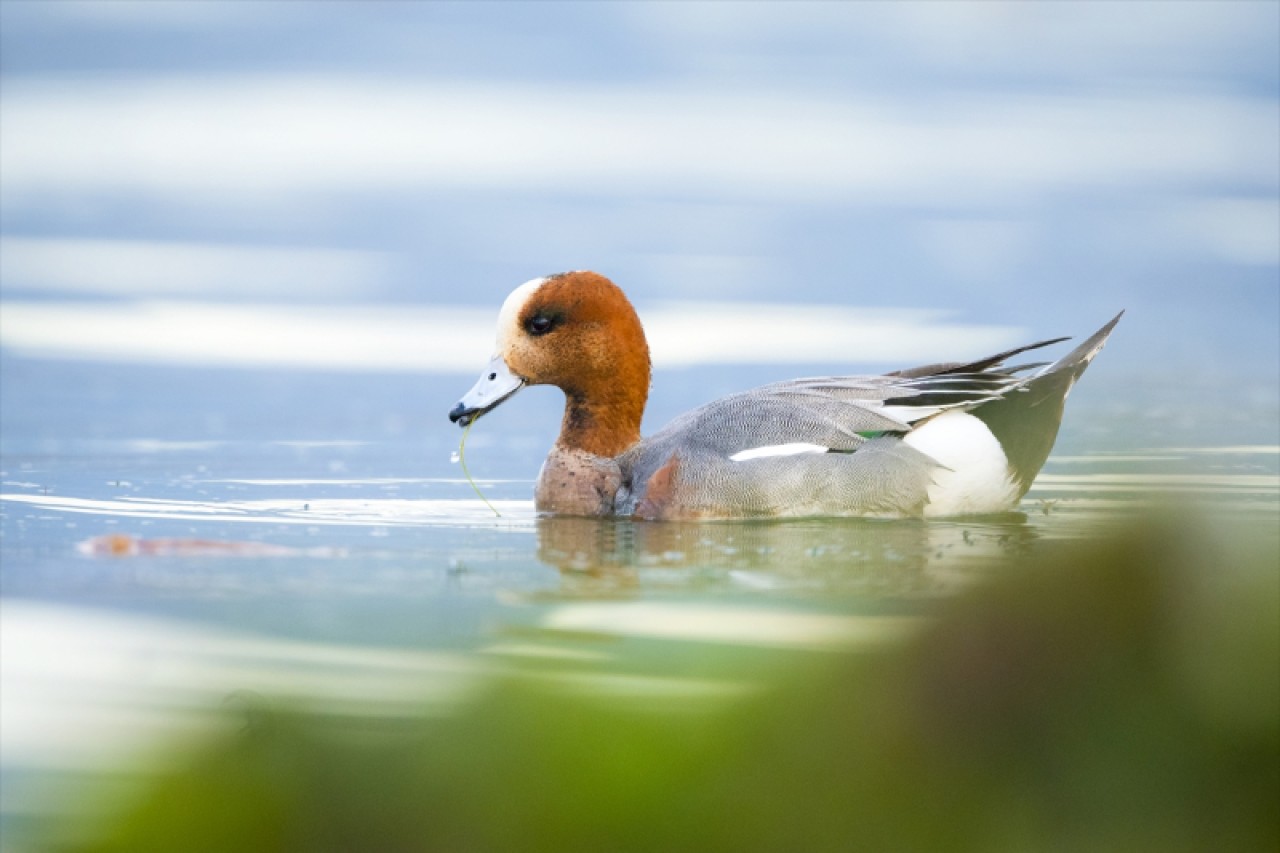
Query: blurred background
(251, 253)
(172, 170)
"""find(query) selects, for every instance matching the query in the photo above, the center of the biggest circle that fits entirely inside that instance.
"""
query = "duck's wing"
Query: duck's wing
(885, 477)
(841, 436)
(829, 447)
(836, 414)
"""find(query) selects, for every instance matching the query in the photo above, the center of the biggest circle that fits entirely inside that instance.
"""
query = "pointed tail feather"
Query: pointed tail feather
(1025, 421)
(1078, 359)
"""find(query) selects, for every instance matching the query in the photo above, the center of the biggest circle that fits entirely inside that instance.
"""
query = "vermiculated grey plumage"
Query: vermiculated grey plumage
(862, 420)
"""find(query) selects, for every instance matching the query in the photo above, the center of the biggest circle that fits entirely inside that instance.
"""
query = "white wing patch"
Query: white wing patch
(793, 449)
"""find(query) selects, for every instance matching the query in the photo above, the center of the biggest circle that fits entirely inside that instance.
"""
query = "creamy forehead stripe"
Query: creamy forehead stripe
(510, 312)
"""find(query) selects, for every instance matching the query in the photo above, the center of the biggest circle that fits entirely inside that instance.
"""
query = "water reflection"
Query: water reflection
(866, 556)
(1019, 708)
(136, 606)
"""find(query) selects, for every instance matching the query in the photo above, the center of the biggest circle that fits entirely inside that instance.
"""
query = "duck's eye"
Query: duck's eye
(540, 324)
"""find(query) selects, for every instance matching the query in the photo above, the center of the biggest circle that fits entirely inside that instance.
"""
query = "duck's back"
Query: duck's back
(938, 440)
(761, 453)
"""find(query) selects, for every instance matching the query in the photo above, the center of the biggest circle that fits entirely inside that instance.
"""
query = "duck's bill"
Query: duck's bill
(496, 385)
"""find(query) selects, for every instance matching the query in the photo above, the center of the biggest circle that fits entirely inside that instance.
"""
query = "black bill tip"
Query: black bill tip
(462, 416)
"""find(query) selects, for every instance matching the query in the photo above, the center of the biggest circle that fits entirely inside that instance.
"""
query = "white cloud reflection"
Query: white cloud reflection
(86, 688)
(144, 267)
(447, 339)
(300, 133)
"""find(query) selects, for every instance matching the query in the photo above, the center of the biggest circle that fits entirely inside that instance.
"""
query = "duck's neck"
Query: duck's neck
(603, 424)
(603, 409)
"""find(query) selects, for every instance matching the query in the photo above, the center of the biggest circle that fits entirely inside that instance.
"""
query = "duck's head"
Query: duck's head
(576, 331)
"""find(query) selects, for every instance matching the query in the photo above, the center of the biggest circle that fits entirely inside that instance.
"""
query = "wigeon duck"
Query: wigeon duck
(940, 440)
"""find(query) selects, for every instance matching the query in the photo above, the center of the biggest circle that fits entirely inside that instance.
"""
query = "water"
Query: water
(175, 541)
(252, 253)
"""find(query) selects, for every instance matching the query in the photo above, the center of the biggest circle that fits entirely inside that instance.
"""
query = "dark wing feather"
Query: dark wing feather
(971, 366)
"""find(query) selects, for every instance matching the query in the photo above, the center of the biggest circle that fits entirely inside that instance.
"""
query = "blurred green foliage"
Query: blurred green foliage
(1122, 695)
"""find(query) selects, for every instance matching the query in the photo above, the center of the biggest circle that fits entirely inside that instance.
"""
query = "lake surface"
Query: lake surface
(175, 538)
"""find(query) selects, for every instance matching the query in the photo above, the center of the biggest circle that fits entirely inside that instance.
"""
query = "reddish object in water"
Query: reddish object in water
(126, 545)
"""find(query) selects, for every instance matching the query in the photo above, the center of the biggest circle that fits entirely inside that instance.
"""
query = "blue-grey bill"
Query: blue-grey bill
(495, 385)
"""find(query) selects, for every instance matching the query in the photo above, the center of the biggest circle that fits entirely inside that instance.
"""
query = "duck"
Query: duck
(939, 440)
